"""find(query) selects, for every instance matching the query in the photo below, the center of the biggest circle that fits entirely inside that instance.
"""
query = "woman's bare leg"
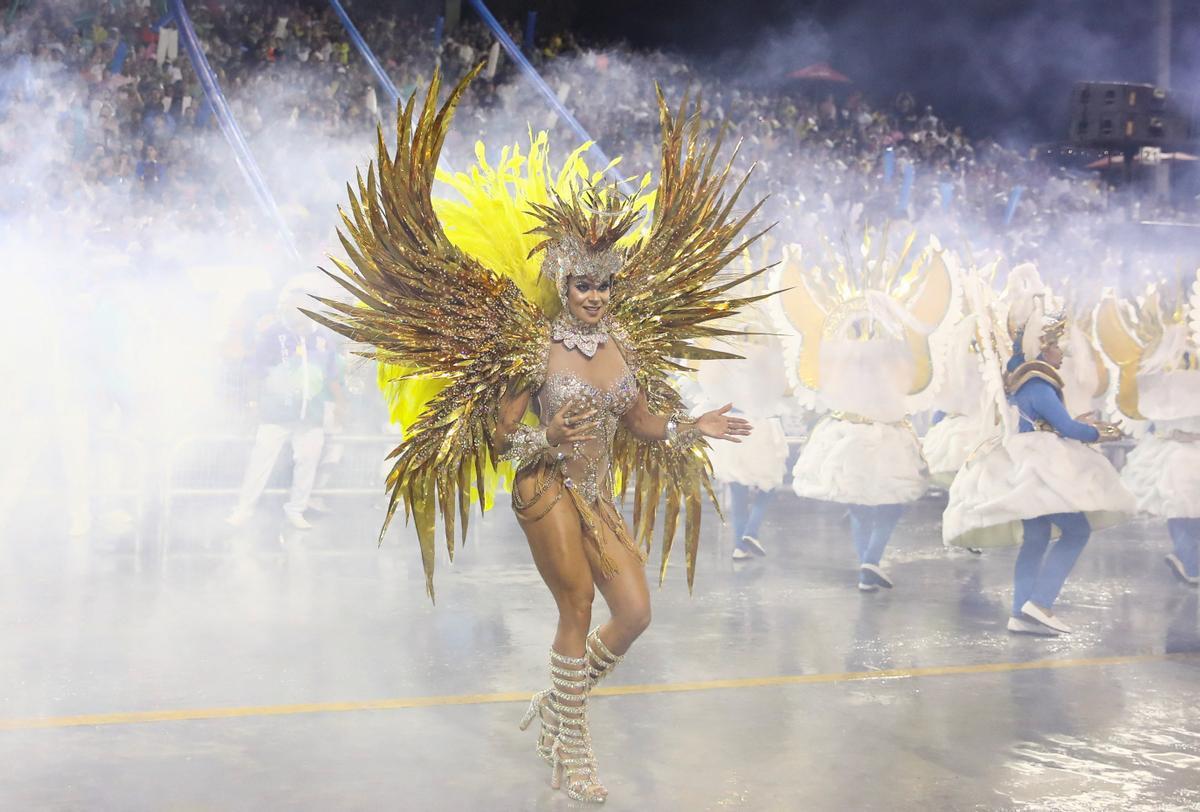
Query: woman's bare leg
(556, 542)
(626, 593)
(562, 558)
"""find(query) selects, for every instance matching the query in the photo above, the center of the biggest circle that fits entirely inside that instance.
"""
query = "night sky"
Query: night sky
(999, 67)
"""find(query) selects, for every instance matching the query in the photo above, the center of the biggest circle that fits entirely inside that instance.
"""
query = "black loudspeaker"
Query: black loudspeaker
(1111, 115)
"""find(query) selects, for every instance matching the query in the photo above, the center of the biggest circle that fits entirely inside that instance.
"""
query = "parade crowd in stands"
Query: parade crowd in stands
(129, 117)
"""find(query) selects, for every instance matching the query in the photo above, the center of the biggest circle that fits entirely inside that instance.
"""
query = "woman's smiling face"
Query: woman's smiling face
(587, 299)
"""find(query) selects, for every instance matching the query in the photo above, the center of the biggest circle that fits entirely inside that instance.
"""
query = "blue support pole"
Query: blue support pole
(367, 54)
(530, 30)
(229, 126)
(1014, 199)
(506, 42)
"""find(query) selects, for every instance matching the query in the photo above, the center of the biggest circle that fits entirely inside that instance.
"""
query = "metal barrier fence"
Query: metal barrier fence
(103, 465)
(137, 457)
(193, 467)
(189, 472)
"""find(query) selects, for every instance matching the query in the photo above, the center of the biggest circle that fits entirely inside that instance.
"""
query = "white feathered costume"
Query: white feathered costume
(860, 345)
(758, 385)
(1155, 350)
(1031, 474)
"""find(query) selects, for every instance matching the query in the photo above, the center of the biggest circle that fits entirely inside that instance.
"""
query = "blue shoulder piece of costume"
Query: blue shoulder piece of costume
(1036, 389)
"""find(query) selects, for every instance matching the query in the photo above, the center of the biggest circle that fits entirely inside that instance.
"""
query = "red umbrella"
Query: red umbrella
(820, 72)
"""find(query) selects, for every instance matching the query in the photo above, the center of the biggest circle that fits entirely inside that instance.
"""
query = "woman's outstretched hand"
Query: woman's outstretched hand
(718, 425)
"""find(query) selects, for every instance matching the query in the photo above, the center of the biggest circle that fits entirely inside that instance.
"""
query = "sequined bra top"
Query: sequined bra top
(588, 466)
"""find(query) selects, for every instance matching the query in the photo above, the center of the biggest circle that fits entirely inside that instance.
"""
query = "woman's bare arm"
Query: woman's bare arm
(643, 423)
(522, 443)
(512, 410)
(649, 427)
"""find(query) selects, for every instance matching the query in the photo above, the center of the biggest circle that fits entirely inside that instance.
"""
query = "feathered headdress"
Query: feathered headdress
(1041, 329)
(582, 231)
(1036, 318)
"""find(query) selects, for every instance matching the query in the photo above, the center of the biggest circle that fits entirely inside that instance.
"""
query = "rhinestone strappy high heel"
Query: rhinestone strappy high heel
(601, 661)
(572, 755)
(539, 706)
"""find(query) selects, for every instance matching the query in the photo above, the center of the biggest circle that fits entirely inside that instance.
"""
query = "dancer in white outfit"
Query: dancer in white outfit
(960, 424)
(1041, 474)
(754, 469)
(1155, 349)
(859, 349)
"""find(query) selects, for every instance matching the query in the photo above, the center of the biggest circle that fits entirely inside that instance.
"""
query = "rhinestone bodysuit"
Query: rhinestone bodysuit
(588, 466)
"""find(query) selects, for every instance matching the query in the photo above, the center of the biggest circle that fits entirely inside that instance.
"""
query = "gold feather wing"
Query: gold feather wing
(670, 294)
(801, 307)
(1121, 345)
(425, 306)
(932, 295)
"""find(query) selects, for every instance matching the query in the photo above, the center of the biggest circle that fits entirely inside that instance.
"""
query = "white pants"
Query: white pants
(168, 46)
(306, 453)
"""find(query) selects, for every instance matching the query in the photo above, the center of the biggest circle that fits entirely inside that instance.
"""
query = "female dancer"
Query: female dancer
(561, 367)
(580, 543)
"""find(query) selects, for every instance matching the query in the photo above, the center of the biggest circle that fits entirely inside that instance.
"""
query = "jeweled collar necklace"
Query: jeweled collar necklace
(578, 335)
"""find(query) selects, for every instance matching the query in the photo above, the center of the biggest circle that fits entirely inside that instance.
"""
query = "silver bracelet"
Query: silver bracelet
(680, 439)
(526, 445)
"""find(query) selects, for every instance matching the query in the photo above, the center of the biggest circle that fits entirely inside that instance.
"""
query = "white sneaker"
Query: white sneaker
(867, 587)
(1178, 570)
(754, 544)
(117, 522)
(238, 517)
(1021, 626)
(297, 520)
(739, 554)
(873, 574)
(1034, 612)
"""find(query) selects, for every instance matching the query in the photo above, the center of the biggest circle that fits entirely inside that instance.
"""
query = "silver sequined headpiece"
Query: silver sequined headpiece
(568, 256)
(581, 231)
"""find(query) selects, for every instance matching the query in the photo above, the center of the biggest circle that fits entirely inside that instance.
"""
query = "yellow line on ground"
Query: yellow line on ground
(195, 714)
